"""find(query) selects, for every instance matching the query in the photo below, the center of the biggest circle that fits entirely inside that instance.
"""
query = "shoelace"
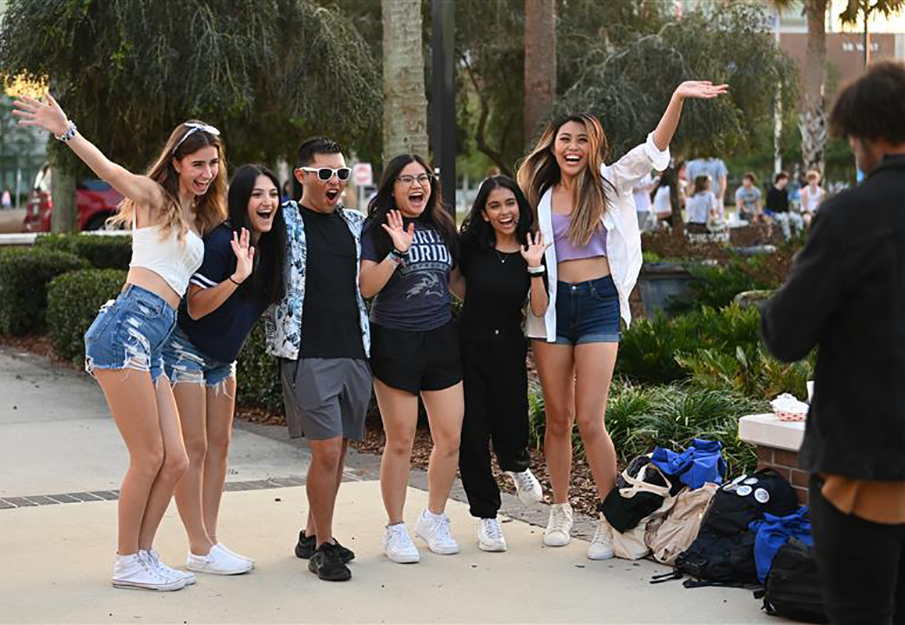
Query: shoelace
(559, 520)
(164, 571)
(492, 528)
(603, 537)
(523, 482)
(441, 529)
(148, 565)
(398, 538)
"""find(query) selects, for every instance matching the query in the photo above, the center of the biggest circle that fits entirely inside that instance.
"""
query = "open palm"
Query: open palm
(700, 89)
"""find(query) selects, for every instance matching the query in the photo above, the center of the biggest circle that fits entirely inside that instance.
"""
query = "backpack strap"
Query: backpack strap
(666, 577)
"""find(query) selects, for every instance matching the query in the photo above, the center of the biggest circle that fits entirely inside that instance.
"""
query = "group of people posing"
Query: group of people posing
(560, 245)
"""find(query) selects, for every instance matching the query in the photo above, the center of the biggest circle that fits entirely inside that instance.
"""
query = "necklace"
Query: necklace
(504, 256)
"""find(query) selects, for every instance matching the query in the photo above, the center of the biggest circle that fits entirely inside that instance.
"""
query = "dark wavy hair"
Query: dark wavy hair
(266, 281)
(435, 214)
(475, 229)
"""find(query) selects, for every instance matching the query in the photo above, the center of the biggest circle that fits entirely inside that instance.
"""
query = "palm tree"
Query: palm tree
(865, 8)
(540, 63)
(404, 100)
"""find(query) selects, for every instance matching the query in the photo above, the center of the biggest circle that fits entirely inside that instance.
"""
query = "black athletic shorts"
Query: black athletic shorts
(416, 361)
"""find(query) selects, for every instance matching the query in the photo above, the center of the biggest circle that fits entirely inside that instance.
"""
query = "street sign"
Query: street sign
(362, 174)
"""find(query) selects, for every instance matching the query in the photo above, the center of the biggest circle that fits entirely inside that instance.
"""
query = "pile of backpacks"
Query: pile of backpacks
(750, 532)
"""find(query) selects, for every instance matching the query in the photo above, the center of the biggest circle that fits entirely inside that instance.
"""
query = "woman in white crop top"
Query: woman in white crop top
(811, 197)
(576, 341)
(181, 197)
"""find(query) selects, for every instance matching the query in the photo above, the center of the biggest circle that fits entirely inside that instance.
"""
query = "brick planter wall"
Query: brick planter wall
(785, 462)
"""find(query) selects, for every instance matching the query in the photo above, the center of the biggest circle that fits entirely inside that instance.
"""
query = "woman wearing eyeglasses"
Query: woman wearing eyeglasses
(181, 197)
(242, 274)
(408, 250)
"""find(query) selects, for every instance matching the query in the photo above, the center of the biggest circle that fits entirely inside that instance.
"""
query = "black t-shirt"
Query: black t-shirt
(496, 286)
(330, 317)
(221, 333)
(416, 297)
(778, 200)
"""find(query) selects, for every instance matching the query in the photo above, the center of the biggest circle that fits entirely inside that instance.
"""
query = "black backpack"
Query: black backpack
(723, 552)
(792, 588)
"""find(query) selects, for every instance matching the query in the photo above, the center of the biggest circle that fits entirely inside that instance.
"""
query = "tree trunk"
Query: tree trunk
(540, 64)
(404, 100)
(812, 118)
(62, 189)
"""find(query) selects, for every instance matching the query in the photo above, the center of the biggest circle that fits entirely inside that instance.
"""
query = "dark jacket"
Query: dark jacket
(846, 295)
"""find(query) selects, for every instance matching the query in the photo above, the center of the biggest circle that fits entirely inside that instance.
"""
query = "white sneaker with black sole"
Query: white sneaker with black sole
(398, 546)
(527, 487)
(153, 559)
(133, 571)
(559, 526)
(490, 535)
(434, 530)
(217, 562)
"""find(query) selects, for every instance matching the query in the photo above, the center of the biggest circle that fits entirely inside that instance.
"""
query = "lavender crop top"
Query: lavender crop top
(563, 246)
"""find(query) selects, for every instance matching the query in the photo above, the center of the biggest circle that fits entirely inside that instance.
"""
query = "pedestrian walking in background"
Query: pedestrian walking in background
(845, 296)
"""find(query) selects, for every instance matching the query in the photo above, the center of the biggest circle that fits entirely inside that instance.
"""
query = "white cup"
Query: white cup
(810, 385)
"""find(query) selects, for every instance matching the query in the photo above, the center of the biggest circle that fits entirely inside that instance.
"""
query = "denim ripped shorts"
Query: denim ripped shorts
(129, 333)
(184, 362)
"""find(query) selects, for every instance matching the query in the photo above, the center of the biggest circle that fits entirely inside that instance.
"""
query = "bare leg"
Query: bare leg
(133, 404)
(326, 457)
(594, 363)
(445, 411)
(221, 404)
(191, 401)
(399, 411)
(175, 463)
(555, 368)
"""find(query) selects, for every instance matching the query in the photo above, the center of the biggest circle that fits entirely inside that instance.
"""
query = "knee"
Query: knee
(559, 423)
(448, 445)
(218, 444)
(399, 447)
(149, 461)
(327, 456)
(174, 466)
(589, 424)
(196, 449)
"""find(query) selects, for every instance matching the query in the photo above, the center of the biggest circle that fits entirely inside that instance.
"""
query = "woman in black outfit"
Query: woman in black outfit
(500, 263)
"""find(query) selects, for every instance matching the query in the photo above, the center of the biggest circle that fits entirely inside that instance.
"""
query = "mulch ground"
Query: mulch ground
(583, 494)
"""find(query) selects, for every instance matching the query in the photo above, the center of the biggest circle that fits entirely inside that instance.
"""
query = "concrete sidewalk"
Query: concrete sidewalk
(57, 440)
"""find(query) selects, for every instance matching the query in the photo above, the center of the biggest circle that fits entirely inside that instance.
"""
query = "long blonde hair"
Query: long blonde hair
(539, 171)
(210, 208)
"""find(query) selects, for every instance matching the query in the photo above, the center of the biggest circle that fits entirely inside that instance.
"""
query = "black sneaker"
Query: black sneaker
(327, 564)
(304, 549)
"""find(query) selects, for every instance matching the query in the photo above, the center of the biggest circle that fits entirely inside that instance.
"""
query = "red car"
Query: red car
(95, 201)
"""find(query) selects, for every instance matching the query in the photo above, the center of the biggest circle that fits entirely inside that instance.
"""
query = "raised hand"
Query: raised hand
(45, 114)
(401, 237)
(700, 89)
(245, 255)
(533, 252)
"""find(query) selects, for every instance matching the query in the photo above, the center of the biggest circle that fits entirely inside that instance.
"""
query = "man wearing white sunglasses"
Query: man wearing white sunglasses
(320, 333)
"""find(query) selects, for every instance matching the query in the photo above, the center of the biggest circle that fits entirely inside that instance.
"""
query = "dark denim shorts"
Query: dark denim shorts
(587, 312)
(183, 362)
(129, 333)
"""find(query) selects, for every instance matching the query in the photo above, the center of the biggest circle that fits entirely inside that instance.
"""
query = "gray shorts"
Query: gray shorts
(326, 397)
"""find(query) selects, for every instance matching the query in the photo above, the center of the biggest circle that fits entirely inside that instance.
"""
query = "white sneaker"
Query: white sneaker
(559, 527)
(434, 530)
(398, 545)
(601, 547)
(527, 487)
(152, 558)
(234, 554)
(217, 562)
(133, 571)
(490, 535)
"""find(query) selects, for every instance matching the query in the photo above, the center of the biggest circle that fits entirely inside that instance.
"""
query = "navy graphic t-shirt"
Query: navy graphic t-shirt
(416, 298)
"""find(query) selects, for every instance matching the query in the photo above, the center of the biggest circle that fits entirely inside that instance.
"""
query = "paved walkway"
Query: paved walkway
(60, 464)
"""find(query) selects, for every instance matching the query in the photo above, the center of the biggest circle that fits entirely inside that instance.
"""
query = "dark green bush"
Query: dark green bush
(102, 251)
(73, 300)
(257, 374)
(24, 275)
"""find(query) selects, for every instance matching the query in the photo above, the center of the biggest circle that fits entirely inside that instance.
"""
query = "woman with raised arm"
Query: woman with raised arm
(242, 274)
(586, 208)
(182, 197)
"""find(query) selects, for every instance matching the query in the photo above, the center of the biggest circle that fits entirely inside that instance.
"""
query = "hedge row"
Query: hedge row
(103, 252)
(73, 300)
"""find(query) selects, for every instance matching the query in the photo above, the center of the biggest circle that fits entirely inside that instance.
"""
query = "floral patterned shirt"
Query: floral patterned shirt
(283, 323)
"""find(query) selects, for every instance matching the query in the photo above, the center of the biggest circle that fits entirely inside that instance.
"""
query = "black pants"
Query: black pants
(861, 564)
(496, 410)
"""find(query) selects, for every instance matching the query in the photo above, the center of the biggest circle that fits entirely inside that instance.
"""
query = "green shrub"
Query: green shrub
(73, 300)
(257, 374)
(103, 252)
(24, 275)
(639, 418)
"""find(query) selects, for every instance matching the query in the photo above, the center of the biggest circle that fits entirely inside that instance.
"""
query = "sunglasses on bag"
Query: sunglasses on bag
(195, 127)
(325, 173)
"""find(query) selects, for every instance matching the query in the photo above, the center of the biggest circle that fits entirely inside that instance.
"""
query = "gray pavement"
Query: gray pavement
(58, 444)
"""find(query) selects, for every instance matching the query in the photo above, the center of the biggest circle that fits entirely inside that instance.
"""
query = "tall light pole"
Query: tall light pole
(443, 97)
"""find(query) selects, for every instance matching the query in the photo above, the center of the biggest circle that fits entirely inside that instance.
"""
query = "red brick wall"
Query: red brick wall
(786, 464)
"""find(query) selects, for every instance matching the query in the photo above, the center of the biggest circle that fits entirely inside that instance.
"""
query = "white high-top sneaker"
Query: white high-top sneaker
(601, 547)
(153, 559)
(559, 527)
(132, 571)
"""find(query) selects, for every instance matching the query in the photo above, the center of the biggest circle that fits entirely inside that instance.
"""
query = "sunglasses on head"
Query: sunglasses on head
(195, 127)
(325, 173)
